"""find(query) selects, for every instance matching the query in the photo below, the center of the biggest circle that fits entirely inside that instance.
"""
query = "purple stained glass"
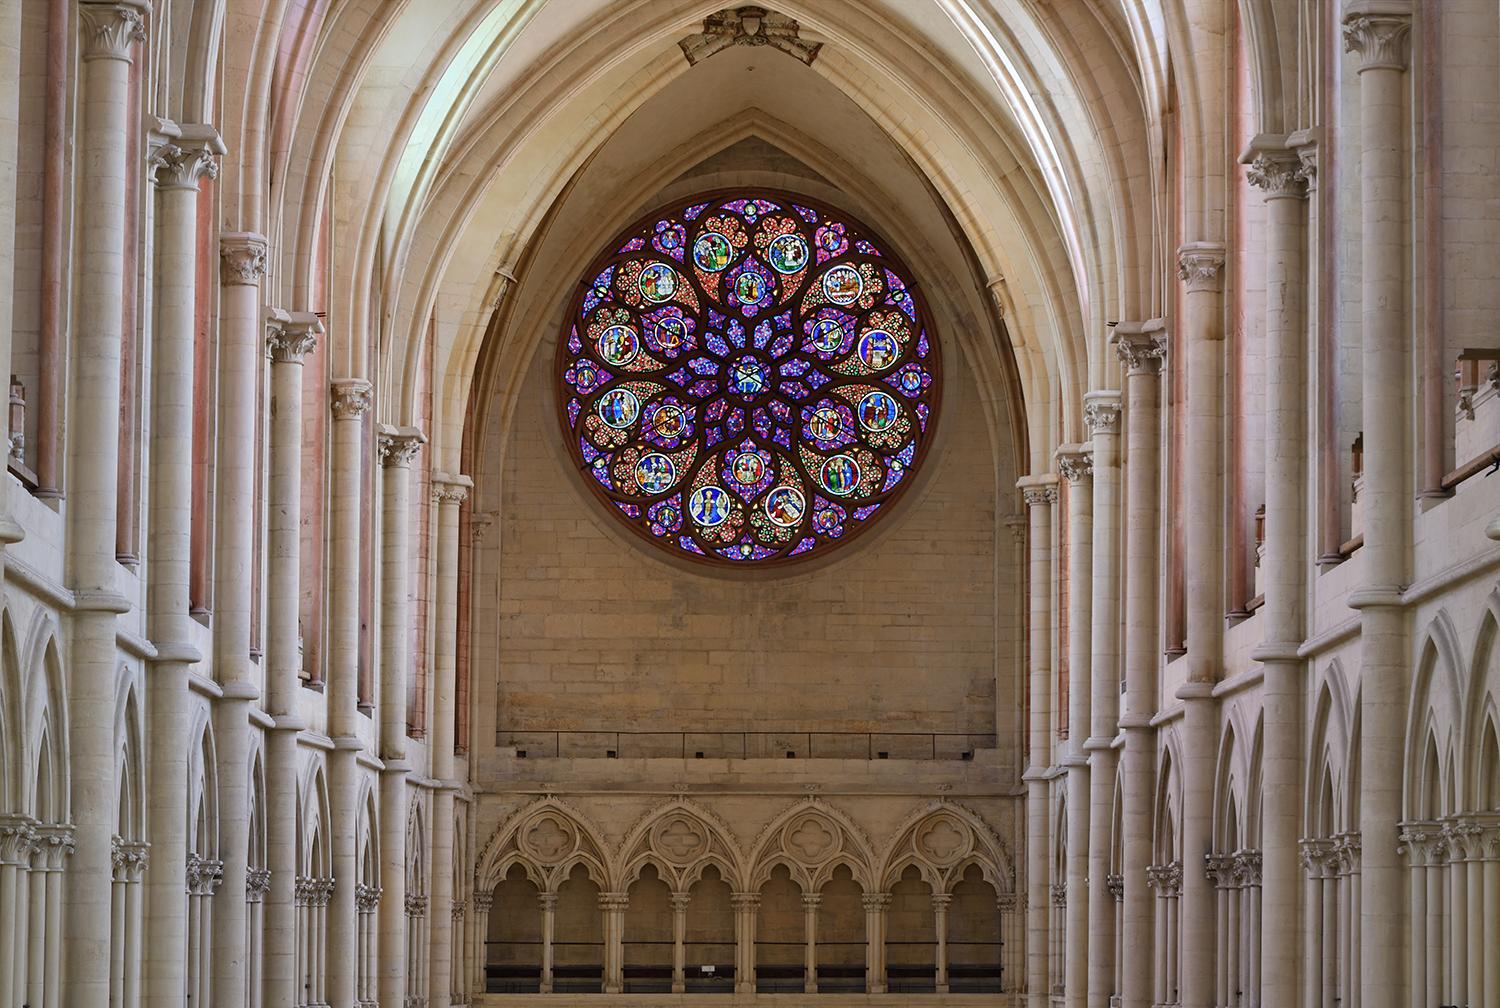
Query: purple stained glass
(717, 386)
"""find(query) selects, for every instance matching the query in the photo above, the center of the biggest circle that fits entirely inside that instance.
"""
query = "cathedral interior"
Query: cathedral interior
(860, 502)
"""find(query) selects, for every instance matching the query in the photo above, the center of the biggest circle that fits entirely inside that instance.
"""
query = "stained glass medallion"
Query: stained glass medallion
(748, 378)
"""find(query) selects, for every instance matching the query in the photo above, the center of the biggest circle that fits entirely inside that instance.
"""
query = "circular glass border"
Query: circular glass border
(760, 306)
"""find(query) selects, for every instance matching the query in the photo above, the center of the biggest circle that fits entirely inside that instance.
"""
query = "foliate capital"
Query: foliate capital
(1200, 266)
(242, 259)
(1280, 175)
(1075, 462)
(398, 446)
(1038, 491)
(1380, 34)
(186, 159)
(1141, 346)
(291, 335)
(1101, 412)
(110, 29)
(350, 398)
(257, 882)
(448, 489)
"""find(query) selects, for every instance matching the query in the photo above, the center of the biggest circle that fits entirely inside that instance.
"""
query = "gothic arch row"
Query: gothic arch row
(810, 841)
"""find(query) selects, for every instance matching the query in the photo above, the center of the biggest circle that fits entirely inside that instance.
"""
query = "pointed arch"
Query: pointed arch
(942, 839)
(548, 838)
(681, 839)
(811, 838)
(1433, 719)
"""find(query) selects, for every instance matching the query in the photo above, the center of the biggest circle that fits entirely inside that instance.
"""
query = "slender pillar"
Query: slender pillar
(810, 902)
(289, 338)
(1075, 464)
(397, 447)
(109, 32)
(350, 400)
(1490, 894)
(449, 493)
(613, 906)
(1102, 413)
(1379, 31)
(1141, 347)
(484, 902)
(179, 166)
(1201, 269)
(680, 902)
(875, 905)
(1040, 493)
(1282, 175)
(10, 136)
(746, 909)
(548, 902)
(940, 903)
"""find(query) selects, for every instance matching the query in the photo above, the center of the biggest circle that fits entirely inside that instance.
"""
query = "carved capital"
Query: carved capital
(999, 290)
(186, 159)
(1382, 40)
(1116, 885)
(1075, 462)
(1166, 879)
(1008, 903)
(876, 901)
(416, 906)
(1314, 855)
(452, 490)
(349, 399)
(459, 908)
(17, 837)
(1101, 412)
(1280, 174)
(483, 901)
(745, 901)
(242, 259)
(110, 29)
(504, 279)
(617, 901)
(1059, 893)
(203, 875)
(366, 898)
(1247, 867)
(1038, 491)
(291, 335)
(1217, 868)
(1141, 346)
(398, 446)
(128, 859)
(1200, 266)
(750, 26)
(51, 844)
(257, 883)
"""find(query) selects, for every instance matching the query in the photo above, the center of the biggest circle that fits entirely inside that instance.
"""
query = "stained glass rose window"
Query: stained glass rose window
(748, 378)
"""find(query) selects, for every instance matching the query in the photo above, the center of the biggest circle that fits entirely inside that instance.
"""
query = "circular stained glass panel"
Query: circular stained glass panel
(748, 378)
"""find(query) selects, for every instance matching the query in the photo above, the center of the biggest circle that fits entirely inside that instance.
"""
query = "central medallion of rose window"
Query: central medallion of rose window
(748, 378)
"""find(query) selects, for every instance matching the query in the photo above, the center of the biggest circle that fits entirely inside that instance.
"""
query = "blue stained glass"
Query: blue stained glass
(752, 404)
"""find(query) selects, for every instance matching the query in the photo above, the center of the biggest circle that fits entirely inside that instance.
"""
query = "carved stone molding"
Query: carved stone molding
(504, 280)
(1314, 855)
(483, 901)
(366, 898)
(1059, 893)
(110, 30)
(1382, 39)
(1008, 903)
(17, 839)
(242, 259)
(50, 845)
(398, 446)
(1101, 412)
(616, 901)
(1141, 346)
(1280, 175)
(1218, 869)
(1075, 462)
(350, 399)
(876, 901)
(416, 906)
(1036, 496)
(459, 908)
(1166, 879)
(452, 490)
(1247, 867)
(1200, 266)
(745, 901)
(1116, 885)
(1000, 294)
(291, 335)
(748, 26)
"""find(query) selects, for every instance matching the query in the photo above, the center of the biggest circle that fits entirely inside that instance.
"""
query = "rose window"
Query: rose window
(748, 378)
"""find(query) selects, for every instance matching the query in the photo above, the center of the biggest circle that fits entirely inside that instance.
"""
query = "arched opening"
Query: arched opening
(1489, 769)
(513, 947)
(780, 937)
(578, 943)
(708, 950)
(841, 935)
(648, 935)
(911, 936)
(974, 936)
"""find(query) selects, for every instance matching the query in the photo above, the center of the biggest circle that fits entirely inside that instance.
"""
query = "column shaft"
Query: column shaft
(1076, 464)
(1041, 495)
(109, 32)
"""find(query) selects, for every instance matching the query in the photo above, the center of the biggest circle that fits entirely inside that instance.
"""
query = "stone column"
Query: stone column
(1379, 31)
(109, 33)
(1141, 347)
(1076, 464)
(1490, 895)
(178, 168)
(449, 493)
(1201, 269)
(397, 447)
(1010, 931)
(680, 902)
(810, 902)
(484, 902)
(242, 262)
(10, 135)
(350, 400)
(1040, 493)
(613, 906)
(746, 909)
(875, 905)
(548, 902)
(940, 903)
(1280, 173)
(289, 337)
(1102, 414)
